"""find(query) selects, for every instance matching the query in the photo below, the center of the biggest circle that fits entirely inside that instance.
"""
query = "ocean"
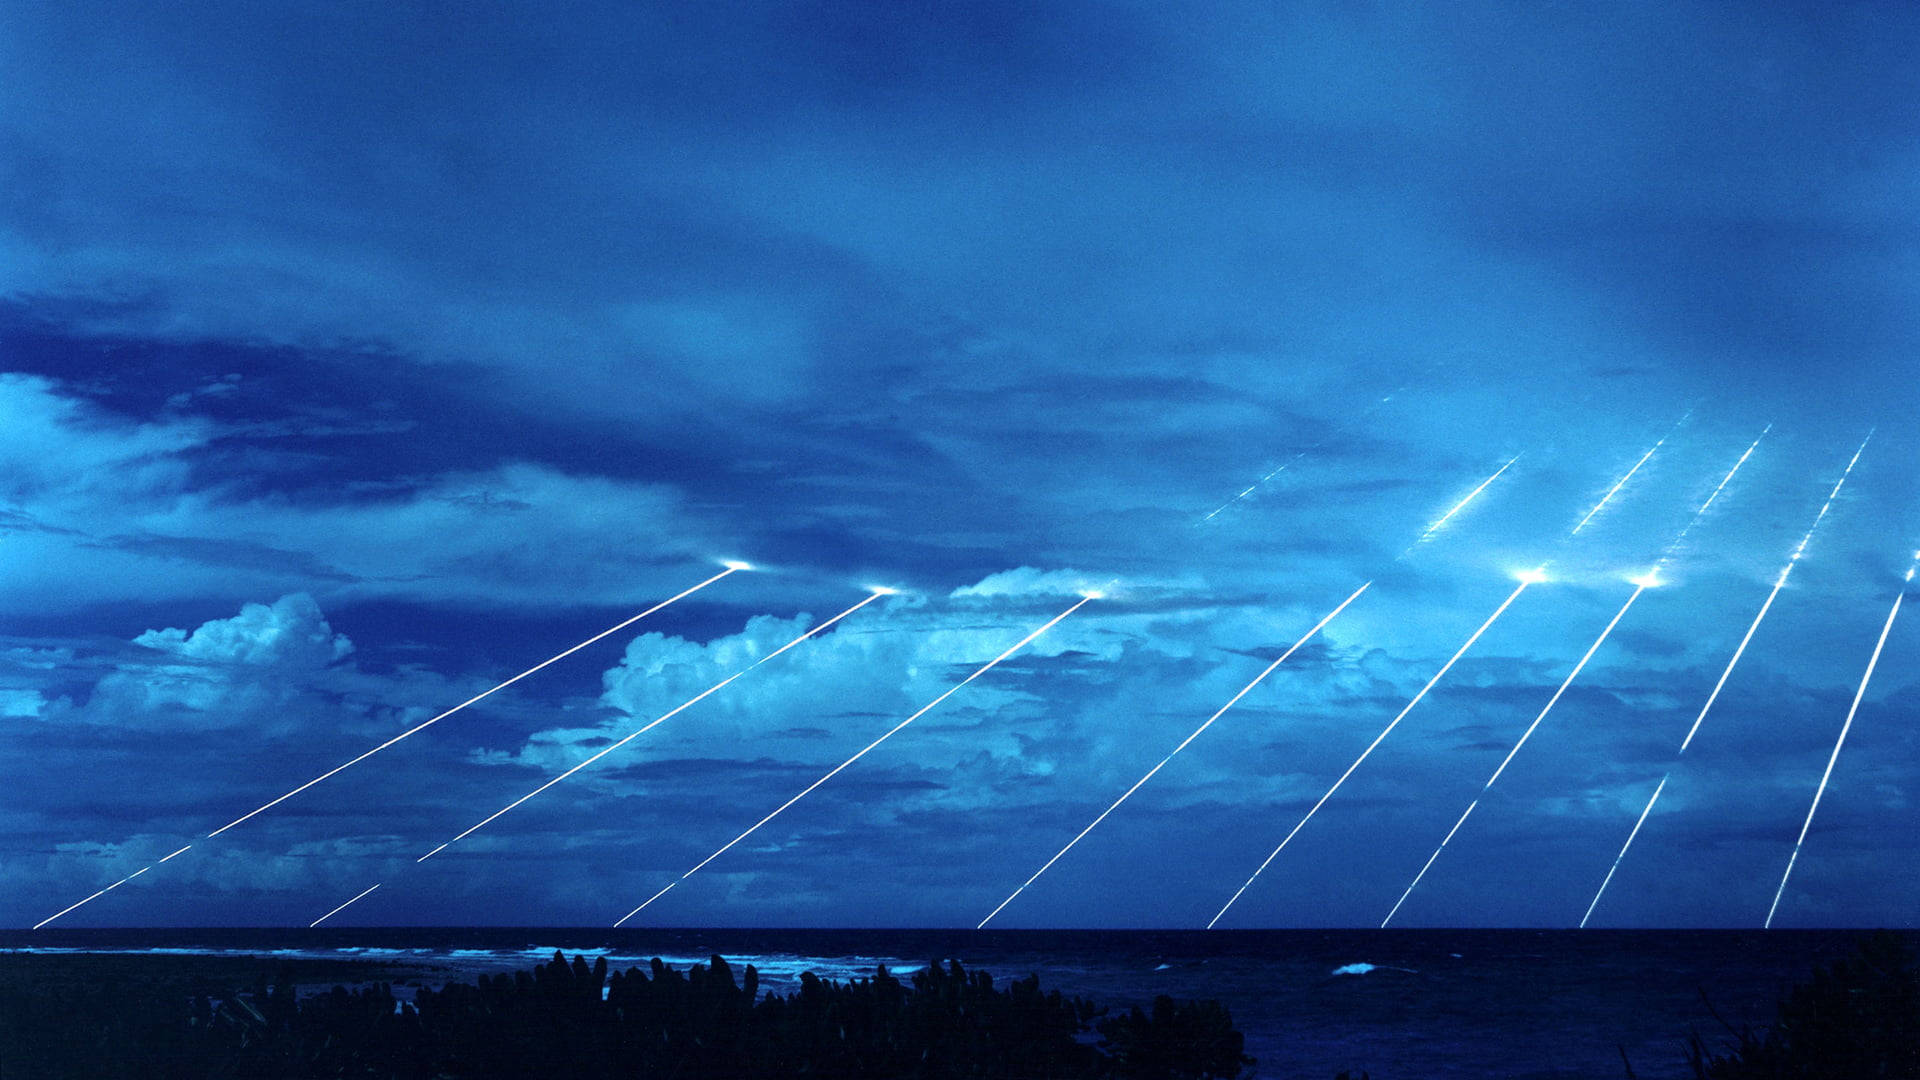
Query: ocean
(1398, 1004)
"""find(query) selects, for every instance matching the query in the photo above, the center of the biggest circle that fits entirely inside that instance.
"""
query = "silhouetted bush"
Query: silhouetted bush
(1856, 1018)
(1180, 1040)
(566, 1019)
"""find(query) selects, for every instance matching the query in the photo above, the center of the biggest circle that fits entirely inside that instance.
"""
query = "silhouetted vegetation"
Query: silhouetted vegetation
(569, 1019)
(1856, 1018)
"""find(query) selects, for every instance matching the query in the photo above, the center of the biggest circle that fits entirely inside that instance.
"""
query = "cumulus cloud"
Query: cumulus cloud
(252, 670)
(1089, 695)
(290, 633)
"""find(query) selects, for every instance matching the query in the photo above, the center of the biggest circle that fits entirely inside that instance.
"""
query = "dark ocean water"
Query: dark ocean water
(1400, 1004)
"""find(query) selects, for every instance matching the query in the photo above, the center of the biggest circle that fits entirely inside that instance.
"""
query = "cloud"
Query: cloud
(18, 703)
(254, 671)
(112, 507)
(58, 448)
(477, 331)
(291, 633)
(1240, 186)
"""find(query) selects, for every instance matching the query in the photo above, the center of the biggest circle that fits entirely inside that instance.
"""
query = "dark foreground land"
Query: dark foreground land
(163, 1017)
(179, 1016)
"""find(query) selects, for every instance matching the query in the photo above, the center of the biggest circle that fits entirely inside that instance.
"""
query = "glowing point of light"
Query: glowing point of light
(891, 732)
(423, 725)
(736, 564)
(649, 726)
(1532, 577)
(1834, 757)
(1513, 753)
(1244, 691)
(1377, 740)
(342, 907)
(1092, 594)
(1779, 583)
(882, 590)
(1648, 580)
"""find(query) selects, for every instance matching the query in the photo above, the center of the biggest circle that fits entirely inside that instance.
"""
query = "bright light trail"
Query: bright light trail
(1837, 744)
(342, 907)
(1528, 734)
(873, 595)
(1726, 479)
(95, 896)
(1611, 870)
(1250, 488)
(729, 568)
(650, 725)
(1642, 583)
(1289, 463)
(1462, 504)
(1622, 482)
(1244, 691)
(1779, 582)
(1317, 627)
(923, 710)
(1525, 580)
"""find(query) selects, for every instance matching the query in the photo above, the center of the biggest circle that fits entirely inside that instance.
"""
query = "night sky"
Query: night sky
(355, 357)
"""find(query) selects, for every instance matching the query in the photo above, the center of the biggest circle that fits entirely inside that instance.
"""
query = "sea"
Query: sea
(1393, 1004)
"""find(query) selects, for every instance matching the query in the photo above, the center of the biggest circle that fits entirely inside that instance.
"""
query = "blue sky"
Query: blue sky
(355, 357)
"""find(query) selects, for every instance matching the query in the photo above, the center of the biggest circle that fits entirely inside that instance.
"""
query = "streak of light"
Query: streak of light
(1647, 580)
(1779, 582)
(1828, 505)
(1622, 482)
(649, 726)
(1623, 849)
(729, 568)
(101, 893)
(1244, 691)
(1835, 756)
(1528, 734)
(1290, 462)
(1462, 504)
(1378, 739)
(1729, 477)
(342, 907)
(835, 771)
(1253, 487)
